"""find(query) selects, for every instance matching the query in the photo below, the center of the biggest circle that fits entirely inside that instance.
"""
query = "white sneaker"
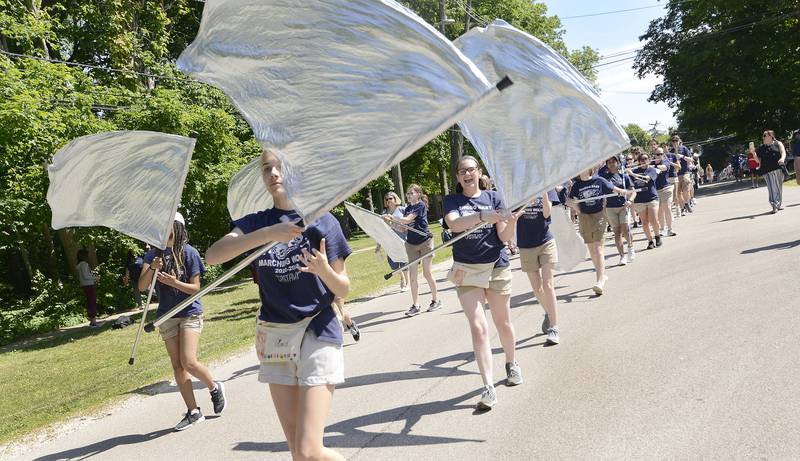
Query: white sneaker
(552, 335)
(631, 254)
(488, 399)
(513, 374)
(623, 260)
(598, 287)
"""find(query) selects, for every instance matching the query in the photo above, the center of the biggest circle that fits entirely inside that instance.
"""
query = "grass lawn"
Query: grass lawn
(51, 380)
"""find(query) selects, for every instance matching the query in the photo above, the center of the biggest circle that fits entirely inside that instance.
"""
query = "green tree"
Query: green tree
(728, 66)
(638, 136)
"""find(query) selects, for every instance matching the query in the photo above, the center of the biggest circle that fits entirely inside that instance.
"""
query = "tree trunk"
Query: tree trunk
(397, 178)
(443, 181)
(369, 200)
(70, 250)
(50, 254)
(33, 8)
(456, 150)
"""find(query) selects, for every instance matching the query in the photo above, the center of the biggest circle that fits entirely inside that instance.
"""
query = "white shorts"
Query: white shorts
(320, 363)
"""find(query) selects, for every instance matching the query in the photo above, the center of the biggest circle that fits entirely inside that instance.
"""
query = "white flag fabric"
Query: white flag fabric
(571, 249)
(547, 127)
(339, 90)
(377, 228)
(130, 181)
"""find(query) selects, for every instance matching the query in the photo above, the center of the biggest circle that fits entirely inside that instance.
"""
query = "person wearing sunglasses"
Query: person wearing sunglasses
(771, 156)
(393, 207)
(617, 209)
(646, 201)
(665, 193)
(684, 174)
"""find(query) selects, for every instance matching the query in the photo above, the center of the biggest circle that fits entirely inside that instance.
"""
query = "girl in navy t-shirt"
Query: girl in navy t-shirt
(297, 279)
(418, 244)
(481, 270)
(179, 269)
(646, 202)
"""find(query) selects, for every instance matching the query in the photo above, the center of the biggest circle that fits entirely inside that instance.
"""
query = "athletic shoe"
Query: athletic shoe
(651, 245)
(552, 336)
(631, 254)
(414, 310)
(623, 260)
(658, 240)
(774, 210)
(94, 325)
(670, 233)
(435, 306)
(218, 397)
(545, 324)
(354, 331)
(190, 419)
(780, 207)
(598, 287)
(488, 399)
(513, 374)
(635, 224)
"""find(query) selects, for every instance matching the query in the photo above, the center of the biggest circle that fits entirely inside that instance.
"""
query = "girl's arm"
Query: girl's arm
(547, 206)
(146, 276)
(190, 288)
(783, 153)
(507, 227)
(237, 242)
(458, 223)
(404, 220)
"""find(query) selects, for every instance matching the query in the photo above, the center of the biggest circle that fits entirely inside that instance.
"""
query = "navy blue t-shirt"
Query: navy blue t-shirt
(661, 179)
(287, 294)
(420, 223)
(648, 191)
(484, 245)
(533, 229)
(169, 297)
(672, 172)
(684, 161)
(594, 187)
(617, 181)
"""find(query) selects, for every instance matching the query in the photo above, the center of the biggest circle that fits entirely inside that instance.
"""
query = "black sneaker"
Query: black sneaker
(658, 241)
(354, 331)
(412, 311)
(651, 245)
(435, 306)
(191, 418)
(218, 397)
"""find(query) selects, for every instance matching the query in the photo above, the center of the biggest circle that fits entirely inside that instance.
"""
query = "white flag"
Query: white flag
(549, 126)
(339, 90)
(377, 228)
(130, 181)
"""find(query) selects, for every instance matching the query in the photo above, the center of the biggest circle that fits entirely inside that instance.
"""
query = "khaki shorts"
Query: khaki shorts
(672, 180)
(415, 251)
(532, 259)
(642, 207)
(592, 227)
(617, 216)
(685, 181)
(321, 363)
(666, 194)
(173, 326)
(500, 282)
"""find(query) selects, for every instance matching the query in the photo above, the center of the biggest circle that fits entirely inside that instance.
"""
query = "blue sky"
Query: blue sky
(613, 33)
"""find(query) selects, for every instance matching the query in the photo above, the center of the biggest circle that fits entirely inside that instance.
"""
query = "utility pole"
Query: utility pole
(456, 138)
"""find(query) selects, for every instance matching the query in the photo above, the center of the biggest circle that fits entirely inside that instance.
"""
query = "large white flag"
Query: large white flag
(339, 90)
(377, 228)
(130, 181)
(571, 249)
(547, 127)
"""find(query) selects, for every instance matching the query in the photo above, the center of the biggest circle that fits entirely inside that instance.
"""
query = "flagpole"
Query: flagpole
(150, 327)
(144, 317)
(397, 223)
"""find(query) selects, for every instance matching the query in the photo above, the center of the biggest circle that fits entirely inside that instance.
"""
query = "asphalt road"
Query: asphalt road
(691, 353)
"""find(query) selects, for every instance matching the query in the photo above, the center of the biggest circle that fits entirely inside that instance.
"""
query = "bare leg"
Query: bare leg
(426, 271)
(313, 406)
(189, 341)
(285, 399)
(412, 274)
(479, 329)
(500, 305)
(182, 379)
(653, 220)
(544, 289)
(596, 251)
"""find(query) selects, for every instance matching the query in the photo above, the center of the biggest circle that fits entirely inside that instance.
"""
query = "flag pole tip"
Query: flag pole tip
(130, 361)
(387, 276)
(504, 83)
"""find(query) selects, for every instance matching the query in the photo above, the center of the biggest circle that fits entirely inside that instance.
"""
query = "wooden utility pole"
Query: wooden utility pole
(397, 178)
(454, 133)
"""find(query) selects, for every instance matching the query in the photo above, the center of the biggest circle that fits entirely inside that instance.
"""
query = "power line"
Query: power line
(92, 66)
(626, 10)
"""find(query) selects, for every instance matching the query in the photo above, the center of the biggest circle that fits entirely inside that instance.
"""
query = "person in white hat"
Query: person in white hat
(179, 268)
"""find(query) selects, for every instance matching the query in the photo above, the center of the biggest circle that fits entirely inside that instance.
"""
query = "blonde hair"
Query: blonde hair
(418, 189)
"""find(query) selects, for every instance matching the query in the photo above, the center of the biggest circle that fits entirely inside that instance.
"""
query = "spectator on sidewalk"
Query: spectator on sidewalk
(133, 269)
(771, 156)
(86, 280)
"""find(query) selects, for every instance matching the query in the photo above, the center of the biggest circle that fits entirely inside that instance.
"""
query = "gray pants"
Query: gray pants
(774, 181)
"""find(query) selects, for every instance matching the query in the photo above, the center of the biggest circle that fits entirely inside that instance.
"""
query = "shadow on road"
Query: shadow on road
(775, 246)
(751, 216)
(105, 445)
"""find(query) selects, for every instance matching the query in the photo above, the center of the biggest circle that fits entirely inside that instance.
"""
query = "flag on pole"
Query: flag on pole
(549, 126)
(339, 90)
(377, 228)
(130, 181)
